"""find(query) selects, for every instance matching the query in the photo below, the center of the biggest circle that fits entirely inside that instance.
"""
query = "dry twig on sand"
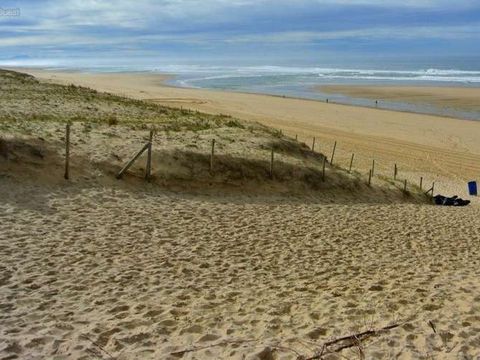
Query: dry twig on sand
(99, 348)
(346, 342)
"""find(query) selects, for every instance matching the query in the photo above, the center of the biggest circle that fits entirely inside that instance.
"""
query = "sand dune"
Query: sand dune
(101, 268)
(421, 144)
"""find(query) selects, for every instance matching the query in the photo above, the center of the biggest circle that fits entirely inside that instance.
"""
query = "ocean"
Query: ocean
(306, 81)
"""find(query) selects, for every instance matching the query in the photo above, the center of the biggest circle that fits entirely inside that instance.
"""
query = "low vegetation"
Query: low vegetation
(24, 98)
(107, 129)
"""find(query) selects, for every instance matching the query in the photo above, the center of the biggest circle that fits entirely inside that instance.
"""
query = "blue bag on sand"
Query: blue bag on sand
(472, 188)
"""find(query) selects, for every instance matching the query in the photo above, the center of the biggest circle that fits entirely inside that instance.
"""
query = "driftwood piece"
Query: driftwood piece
(330, 347)
(348, 341)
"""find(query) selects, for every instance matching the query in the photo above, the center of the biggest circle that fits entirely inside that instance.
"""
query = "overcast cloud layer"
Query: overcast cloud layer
(262, 30)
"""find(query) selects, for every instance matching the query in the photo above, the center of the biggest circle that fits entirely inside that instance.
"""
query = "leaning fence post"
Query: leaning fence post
(421, 182)
(148, 170)
(333, 152)
(67, 152)
(373, 167)
(432, 189)
(130, 163)
(212, 154)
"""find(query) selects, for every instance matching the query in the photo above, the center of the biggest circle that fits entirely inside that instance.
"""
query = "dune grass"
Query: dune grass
(23, 97)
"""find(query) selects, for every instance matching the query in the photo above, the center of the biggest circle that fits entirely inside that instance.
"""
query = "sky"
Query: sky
(276, 32)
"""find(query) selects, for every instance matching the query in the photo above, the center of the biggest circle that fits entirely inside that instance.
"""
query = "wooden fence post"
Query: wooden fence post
(421, 182)
(395, 171)
(130, 163)
(148, 170)
(4, 149)
(271, 165)
(432, 189)
(212, 154)
(323, 168)
(369, 177)
(373, 167)
(405, 185)
(351, 163)
(296, 137)
(313, 144)
(333, 152)
(67, 152)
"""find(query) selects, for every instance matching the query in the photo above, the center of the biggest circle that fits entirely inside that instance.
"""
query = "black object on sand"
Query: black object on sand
(450, 201)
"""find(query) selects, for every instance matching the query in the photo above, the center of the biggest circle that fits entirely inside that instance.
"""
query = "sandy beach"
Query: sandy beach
(96, 267)
(147, 274)
(462, 98)
(422, 145)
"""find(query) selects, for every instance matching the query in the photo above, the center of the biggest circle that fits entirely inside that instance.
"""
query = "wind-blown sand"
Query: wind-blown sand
(100, 268)
(147, 273)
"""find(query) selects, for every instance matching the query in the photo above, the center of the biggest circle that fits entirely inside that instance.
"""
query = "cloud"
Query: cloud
(398, 33)
(415, 32)
(149, 25)
(402, 3)
(140, 14)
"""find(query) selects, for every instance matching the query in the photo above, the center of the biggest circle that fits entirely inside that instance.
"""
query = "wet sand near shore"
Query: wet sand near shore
(461, 98)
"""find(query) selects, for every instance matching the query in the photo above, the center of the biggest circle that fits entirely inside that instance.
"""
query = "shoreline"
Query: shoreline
(333, 102)
(172, 76)
(457, 99)
(357, 94)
